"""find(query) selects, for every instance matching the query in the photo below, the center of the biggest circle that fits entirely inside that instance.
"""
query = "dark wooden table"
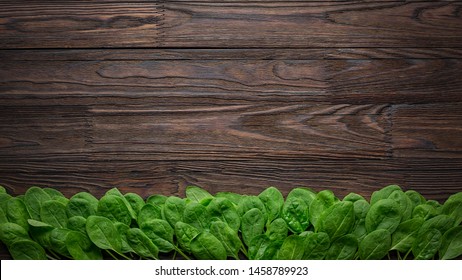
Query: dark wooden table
(152, 96)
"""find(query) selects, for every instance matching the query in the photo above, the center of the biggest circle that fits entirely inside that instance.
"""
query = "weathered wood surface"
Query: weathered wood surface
(236, 114)
(152, 96)
(205, 24)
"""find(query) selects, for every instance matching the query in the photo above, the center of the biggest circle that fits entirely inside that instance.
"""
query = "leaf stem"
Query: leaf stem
(405, 256)
(244, 251)
(111, 254)
(181, 253)
(123, 256)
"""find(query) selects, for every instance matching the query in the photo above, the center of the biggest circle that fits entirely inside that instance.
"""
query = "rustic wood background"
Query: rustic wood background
(152, 96)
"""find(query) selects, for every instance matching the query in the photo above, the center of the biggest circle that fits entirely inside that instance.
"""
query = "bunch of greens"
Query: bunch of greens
(44, 224)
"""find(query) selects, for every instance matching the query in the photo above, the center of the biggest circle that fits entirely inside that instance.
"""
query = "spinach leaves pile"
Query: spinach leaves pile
(44, 224)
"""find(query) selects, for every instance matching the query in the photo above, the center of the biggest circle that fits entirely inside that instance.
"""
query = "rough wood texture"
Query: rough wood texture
(152, 96)
(207, 24)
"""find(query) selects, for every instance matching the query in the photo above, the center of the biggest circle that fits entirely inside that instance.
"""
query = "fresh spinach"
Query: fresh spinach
(375, 245)
(205, 246)
(337, 220)
(427, 244)
(253, 224)
(315, 245)
(384, 214)
(43, 223)
(451, 244)
(344, 248)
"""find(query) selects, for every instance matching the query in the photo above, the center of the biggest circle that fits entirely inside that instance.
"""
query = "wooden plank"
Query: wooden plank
(229, 54)
(189, 131)
(349, 81)
(70, 24)
(312, 24)
(230, 24)
(427, 131)
(247, 177)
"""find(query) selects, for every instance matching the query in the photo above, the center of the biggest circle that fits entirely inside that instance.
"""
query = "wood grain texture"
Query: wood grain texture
(260, 24)
(312, 24)
(68, 24)
(346, 81)
(428, 131)
(229, 54)
(166, 177)
(152, 96)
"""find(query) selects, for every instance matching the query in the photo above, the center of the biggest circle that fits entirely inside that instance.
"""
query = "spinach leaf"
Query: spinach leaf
(161, 234)
(405, 235)
(337, 220)
(353, 197)
(323, 200)
(424, 211)
(77, 223)
(173, 210)
(427, 244)
(16, 212)
(315, 245)
(184, 234)
(80, 247)
(250, 202)
(40, 232)
(252, 225)
(228, 237)
(224, 210)
(305, 194)
(156, 199)
(440, 222)
(235, 198)
(114, 208)
(451, 245)
(2, 189)
(135, 201)
(384, 214)
(277, 230)
(122, 229)
(34, 198)
(54, 213)
(258, 246)
(103, 233)
(295, 214)
(4, 197)
(82, 204)
(361, 208)
(196, 215)
(148, 213)
(359, 230)
(116, 192)
(375, 245)
(141, 244)
(404, 203)
(54, 194)
(27, 250)
(344, 248)
(57, 241)
(3, 218)
(197, 194)
(206, 246)
(11, 233)
(383, 193)
(415, 197)
(273, 200)
(453, 208)
(292, 248)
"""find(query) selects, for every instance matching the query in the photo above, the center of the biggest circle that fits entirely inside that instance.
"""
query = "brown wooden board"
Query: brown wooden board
(233, 24)
(153, 96)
